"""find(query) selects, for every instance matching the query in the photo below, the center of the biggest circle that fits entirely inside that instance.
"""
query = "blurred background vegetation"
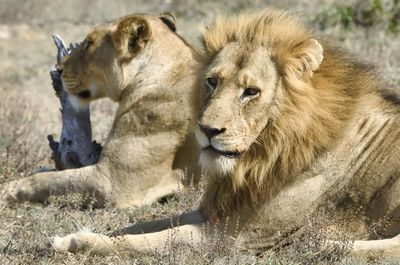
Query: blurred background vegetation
(369, 13)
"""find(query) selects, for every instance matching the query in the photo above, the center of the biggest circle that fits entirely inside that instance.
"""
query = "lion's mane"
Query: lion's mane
(309, 115)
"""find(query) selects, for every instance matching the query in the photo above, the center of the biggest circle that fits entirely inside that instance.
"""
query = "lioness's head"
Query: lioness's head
(115, 55)
(257, 64)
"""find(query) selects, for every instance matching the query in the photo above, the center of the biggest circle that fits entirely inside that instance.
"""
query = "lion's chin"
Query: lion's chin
(78, 103)
(215, 163)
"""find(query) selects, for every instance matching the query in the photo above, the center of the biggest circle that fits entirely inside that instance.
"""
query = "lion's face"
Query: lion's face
(241, 84)
(111, 56)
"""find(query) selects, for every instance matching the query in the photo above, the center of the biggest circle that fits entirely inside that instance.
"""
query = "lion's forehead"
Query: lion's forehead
(242, 64)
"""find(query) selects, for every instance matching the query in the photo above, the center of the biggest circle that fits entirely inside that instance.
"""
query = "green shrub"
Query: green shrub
(361, 13)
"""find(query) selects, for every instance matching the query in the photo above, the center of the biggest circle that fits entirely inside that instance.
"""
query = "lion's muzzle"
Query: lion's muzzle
(71, 85)
(206, 137)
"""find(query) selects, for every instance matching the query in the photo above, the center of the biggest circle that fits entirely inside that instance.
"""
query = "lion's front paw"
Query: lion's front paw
(77, 242)
(26, 189)
(10, 193)
(69, 243)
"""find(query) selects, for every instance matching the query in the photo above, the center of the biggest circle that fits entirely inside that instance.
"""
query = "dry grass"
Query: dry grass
(29, 111)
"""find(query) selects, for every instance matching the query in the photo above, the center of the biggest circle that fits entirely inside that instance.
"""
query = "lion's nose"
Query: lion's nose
(211, 132)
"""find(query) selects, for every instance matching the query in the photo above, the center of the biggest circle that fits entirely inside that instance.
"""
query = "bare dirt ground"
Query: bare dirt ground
(29, 111)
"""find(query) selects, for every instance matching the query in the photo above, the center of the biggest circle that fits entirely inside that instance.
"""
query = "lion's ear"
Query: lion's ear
(305, 59)
(169, 19)
(131, 36)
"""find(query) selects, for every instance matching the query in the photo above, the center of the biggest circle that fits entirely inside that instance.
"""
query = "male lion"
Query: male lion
(141, 63)
(291, 127)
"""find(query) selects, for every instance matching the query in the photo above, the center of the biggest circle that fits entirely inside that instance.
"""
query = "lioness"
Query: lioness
(141, 63)
(291, 127)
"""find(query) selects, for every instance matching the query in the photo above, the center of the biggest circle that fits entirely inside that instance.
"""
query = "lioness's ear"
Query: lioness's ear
(169, 19)
(305, 59)
(131, 36)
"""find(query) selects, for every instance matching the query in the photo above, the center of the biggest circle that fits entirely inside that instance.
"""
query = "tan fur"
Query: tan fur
(302, 124)
(321, 137)
(139, 62)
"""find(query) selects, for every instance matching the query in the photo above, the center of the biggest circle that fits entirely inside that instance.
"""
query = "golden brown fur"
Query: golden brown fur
(290, 127)
(264, 170)
(141, 63)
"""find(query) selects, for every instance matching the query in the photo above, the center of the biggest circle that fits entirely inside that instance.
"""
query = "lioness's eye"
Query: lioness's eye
(211, 83)
(251, 91)
(87, 43)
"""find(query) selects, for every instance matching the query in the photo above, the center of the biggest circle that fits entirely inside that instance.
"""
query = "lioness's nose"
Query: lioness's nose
(211, 132)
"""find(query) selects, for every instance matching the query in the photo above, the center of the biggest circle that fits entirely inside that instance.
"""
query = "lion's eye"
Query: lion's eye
(251, 91)
(211, 84)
